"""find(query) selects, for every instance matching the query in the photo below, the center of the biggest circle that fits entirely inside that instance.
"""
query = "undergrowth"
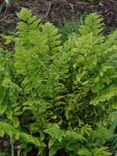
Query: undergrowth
(70, 26)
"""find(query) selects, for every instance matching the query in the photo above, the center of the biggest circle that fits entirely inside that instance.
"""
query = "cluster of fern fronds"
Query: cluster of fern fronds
(58, 95)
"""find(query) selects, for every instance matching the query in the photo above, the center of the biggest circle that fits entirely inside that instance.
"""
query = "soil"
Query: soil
(59, 10)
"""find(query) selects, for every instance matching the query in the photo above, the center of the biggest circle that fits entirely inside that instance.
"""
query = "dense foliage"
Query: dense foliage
(59, 96)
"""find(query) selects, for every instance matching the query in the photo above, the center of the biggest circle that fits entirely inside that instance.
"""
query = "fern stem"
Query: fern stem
(12, 149)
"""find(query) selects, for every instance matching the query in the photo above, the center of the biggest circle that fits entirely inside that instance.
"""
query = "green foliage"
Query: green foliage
(70, 26)
(58, 96)
(4, 154)
(113, 141)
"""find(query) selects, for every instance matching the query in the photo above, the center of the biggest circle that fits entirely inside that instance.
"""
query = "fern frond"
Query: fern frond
(93, 24)
(15, 134)
(53, 38)
(105, 96)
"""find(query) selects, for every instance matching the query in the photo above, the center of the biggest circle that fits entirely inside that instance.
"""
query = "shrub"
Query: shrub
(59, 97)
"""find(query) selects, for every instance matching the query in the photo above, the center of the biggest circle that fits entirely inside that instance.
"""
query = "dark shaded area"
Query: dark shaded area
(62, 153)
(33, 152)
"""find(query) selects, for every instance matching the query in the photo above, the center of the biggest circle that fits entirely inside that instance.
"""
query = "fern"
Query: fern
(93, 24)
(56, 95)
(53, 38)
